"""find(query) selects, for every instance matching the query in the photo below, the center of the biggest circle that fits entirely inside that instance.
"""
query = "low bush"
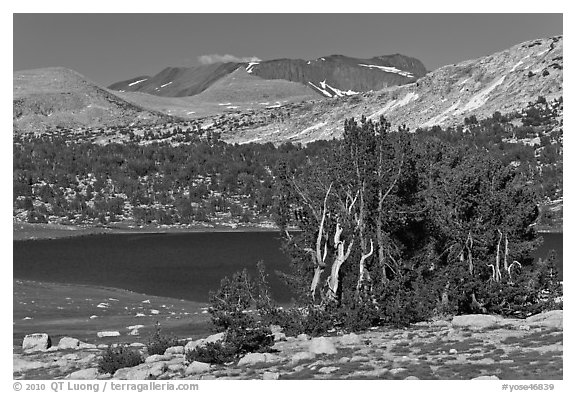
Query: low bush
(158, 343)
(213, 353)
(121, 356)
(292, 321)
(237, 343)
(245, 333)
(244, 341)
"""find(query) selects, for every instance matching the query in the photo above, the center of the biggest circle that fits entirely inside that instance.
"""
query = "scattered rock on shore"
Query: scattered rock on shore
(476, 321)
(254, 358)
(320, 345)
(426, 351)
(89, 373)
(197, 368)
(36, 342)
(108, 334)
(551, 319)
(68, 343)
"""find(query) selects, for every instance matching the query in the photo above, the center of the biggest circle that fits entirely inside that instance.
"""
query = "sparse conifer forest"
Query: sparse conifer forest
(382, 226)
(288, 218)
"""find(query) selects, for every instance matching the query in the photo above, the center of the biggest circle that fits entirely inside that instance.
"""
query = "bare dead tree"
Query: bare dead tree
(510, 269)
(469, 244)
(383, 250)
(340, 257)
(497, 274)
(363, 274)
(506, 255)
(321, 252)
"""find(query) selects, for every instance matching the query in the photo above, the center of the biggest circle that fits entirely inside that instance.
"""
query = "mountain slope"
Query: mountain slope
(177, 81)
(331, 76)
(237, 91)
(505, 81)
(340, 75)
(49, 97)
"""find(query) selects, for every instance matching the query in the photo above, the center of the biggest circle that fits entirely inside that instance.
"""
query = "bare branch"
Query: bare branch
(497, 267)
(510, 269)
(362, 265)
(383, 197)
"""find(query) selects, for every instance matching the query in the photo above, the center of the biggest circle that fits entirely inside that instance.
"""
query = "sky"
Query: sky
(107, 48)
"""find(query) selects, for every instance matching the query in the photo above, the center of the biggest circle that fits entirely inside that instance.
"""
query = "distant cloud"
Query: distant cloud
(211, 59)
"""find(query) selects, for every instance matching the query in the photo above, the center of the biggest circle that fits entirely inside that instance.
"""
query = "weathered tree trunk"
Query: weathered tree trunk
(469, 244)
(318, 270)
(341, 257)
(510, 269)
(362, 272)
(497, 274)
(445, 299)
(506, 255)
(380, 241)
(319, 257)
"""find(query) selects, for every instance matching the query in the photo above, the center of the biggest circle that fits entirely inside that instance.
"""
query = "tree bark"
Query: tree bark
(319, 257)
(497, 275)
(362, 267)
(341, 257)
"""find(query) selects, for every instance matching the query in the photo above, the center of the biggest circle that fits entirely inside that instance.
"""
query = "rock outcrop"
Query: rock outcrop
(471, 347)
(36, 342)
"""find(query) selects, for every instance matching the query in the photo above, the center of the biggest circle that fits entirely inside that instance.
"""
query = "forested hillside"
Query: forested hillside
(187, 175)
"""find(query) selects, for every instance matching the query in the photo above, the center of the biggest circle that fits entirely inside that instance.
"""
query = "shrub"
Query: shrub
(314, 321)
(244, 332)
(119, 357)
(292, 321)
(359, 316)
(244, 341)
(158, 343)
(401, 304)
(213, 353)
(237, 343)
(232, 297)
(318, 321)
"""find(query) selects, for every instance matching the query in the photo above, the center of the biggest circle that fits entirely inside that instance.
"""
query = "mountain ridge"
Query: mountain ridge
(51, 97)
(505, 81)
(345, 75)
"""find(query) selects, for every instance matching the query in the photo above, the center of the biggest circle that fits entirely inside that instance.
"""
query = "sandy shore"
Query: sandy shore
(81, 311)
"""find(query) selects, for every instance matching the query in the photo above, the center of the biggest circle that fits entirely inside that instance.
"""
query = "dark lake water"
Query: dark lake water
(178, 265)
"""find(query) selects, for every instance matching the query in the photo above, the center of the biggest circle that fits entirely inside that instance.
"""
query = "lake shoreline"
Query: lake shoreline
(25, 231)
(86, 309)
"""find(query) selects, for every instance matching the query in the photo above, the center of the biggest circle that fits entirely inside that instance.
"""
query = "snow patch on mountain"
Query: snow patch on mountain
(383, 110)
(135, 83)
(250, 141)
(519, 63)
(388, 69)
(330, 91)
(250, 67)
(323, 91)
(406, 100)
(438, 119)
(311, 128)
(462, 82)
(480, 99)
(165, 84)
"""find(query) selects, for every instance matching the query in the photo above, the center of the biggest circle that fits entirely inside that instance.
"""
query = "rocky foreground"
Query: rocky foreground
(468, 347)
